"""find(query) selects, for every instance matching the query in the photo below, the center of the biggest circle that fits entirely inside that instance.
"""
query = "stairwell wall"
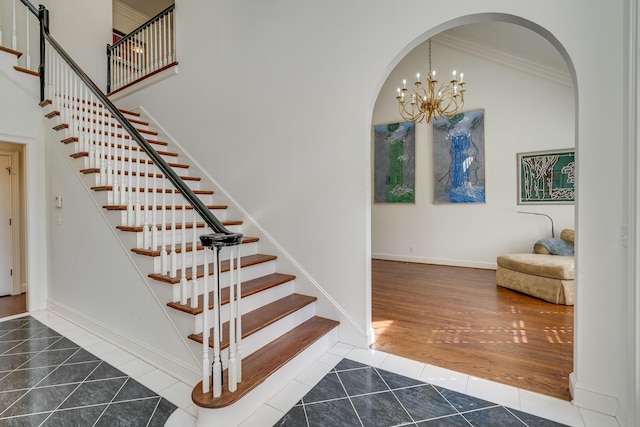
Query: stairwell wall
(277, 99)
(94, 282)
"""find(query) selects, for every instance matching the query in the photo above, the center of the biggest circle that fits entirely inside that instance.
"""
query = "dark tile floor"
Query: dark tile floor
(47, 380)
(353, 394)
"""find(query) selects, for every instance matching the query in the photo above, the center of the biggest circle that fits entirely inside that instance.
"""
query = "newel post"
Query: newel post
(43, 17)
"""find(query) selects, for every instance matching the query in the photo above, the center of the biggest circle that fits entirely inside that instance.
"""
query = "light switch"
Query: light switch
(58, 201)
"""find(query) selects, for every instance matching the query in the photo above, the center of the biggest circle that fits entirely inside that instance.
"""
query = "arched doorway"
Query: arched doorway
(519, 92)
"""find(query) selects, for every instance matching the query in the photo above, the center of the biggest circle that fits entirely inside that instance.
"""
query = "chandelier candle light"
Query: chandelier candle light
(426, 103)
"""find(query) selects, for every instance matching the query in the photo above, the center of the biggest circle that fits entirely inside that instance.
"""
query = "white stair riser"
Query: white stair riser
(153, 264)
(264, 336)
(135, 239)
(144, 181)
(146, 198)
(109, 163)
(250, 303)
(247, 273)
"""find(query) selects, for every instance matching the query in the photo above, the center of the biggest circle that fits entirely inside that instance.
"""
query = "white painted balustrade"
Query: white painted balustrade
(149, 203)
(144, 51)
(19, 30)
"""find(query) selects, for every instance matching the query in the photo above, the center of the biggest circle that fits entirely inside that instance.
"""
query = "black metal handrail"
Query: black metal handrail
(221, 235)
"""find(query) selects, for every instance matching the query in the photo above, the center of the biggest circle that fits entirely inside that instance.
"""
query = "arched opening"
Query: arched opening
(521, 77)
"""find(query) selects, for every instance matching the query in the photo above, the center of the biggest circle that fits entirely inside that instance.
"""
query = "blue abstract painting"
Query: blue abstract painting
(458, 158)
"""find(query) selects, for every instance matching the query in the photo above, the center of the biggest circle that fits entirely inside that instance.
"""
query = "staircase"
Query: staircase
(278, 324)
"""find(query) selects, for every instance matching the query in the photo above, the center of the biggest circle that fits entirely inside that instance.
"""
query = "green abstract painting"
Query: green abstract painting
(546, 177)
(394, 168)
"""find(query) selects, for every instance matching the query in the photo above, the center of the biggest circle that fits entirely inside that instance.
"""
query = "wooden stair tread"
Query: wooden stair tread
(261, 317)
(134, 173)
(139, 228)
(82, 154)
(249, 287)
(18, 54)
(189, 248)
(26, 71)
(245, 261)
(258, 366)
(158, 190)
(71, 139)
(159, 207)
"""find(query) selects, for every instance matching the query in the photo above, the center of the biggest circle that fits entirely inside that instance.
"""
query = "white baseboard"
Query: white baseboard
(437, 261)
(158, 359)
(594, 400)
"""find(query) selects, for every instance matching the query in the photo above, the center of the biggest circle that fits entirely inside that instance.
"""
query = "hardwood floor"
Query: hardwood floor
(11, 305)
(457, 318)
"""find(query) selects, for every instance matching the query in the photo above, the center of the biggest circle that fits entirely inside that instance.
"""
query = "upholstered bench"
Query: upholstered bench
(545, 276)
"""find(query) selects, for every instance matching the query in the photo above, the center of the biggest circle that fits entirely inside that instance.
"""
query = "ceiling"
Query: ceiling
(149, 7)
(513, 40)
(510, 39)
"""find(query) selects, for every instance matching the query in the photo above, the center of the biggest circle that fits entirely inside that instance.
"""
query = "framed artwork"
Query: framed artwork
(394, 163)
(547, 177)
(458, 158)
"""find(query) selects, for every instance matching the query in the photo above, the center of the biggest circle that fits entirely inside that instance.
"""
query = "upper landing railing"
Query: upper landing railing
(146, 50)
(120, 157)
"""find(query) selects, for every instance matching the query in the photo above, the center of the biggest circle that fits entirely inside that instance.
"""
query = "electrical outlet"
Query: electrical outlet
(411, 249)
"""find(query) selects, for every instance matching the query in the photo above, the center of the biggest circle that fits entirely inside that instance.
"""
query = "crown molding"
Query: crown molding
(501, 57)
(123, 9)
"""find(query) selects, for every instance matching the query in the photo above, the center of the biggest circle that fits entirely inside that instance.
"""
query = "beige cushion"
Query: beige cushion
(553, 266)
(568, 236)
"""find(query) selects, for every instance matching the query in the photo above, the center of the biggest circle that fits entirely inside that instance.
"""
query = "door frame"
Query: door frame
(16, 220)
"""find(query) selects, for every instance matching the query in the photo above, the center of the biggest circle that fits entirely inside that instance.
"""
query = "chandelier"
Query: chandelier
(426, 102)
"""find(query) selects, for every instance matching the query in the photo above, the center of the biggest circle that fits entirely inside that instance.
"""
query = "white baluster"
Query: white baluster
(1, 31)
(106, 150)
(138, 209)
(164, 261)
(233, 379)
(130, 209)
(205, 333)
(28, 59)
(154, 225)
(155, 46)
(238, 319)
(173, 261)
(194, 263)
(14, 39)
(184, 285)
(163, 42)
(112, 155)
(94, 161)
(217, 332)
(146, 230)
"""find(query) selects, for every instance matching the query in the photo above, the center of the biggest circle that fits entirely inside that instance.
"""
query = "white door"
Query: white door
(6, 281)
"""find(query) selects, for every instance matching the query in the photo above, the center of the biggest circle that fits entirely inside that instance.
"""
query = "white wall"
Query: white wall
(523, 112)
(83, 29)
(278, 104)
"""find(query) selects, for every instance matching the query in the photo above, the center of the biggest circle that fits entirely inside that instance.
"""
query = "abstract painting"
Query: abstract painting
(547, 177)
(394, 168)
(458, 158)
